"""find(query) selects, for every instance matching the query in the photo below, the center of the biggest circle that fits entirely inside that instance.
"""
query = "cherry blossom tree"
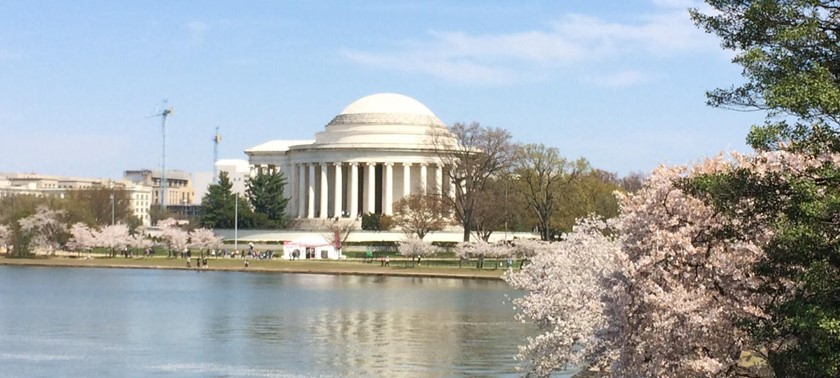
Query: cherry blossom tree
(563, 297)
(481, 250)
(44, 227)
(204, 239)
(114, 238)
(416, 247)
(175, 238)
(5, 234)
(686, 284)
(660, 292)
(82, 238)
(141, 241)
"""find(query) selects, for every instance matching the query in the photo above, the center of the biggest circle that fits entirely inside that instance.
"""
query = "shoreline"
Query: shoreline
(256, 266)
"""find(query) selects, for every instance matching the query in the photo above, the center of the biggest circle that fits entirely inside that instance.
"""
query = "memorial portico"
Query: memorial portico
(375, 152)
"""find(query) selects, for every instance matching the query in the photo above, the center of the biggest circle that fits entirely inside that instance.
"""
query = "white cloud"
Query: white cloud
(573, 41)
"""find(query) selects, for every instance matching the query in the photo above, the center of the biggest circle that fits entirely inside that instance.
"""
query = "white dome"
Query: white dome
(384, 119)
(387, 103)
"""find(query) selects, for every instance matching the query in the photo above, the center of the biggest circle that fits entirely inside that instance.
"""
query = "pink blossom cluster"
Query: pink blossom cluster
(117, 237)
(564, 296)
(44, 226)
(414, 247)
(659, 291)
(4, 234)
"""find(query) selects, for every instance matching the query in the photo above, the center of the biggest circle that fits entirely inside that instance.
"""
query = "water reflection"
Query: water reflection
(124, 322)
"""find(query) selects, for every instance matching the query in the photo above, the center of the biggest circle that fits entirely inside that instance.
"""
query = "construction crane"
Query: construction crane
(163, 114)
(216, 139)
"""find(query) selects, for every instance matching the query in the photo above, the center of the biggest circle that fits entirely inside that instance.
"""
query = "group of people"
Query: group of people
(250, 253)
(199, 262)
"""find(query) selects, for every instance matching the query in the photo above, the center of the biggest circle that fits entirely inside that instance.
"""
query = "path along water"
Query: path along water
(124, 322)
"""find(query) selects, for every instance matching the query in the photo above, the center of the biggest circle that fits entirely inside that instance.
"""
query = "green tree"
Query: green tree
(790, 54)
(376, 222)
(218, 204)
(265, 194)
(543, 176)
(93, 206)
(593, 192)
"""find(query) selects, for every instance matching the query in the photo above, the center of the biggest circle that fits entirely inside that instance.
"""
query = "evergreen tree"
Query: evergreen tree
(218, 204)
(265, 194)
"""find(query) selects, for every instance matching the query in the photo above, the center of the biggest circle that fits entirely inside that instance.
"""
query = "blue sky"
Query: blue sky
(621, 83)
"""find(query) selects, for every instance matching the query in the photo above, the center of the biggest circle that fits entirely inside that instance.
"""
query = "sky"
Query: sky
(620, 83)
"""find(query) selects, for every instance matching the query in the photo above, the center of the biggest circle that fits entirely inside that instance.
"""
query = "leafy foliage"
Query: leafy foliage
(93, 207)
(790, 54)
(543, 175)
(376, 222)
(593, 192)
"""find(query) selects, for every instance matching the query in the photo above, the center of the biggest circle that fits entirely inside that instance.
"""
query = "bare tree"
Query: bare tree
(633, 181)
(471, 154)
(491, 211)
(339, 231)
(419, 214)
(543, 173)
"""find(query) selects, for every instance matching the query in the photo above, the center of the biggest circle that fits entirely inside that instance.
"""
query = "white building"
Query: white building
(179, 190)
(238, 172)
(376, 151)
(13, 184)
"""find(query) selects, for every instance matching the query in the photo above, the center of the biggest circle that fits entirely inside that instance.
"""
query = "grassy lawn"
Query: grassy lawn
(398, 267)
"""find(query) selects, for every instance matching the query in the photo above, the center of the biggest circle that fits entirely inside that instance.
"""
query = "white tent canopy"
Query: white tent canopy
(310, 247)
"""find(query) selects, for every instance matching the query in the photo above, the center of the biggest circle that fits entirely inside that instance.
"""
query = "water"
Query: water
(115, 322)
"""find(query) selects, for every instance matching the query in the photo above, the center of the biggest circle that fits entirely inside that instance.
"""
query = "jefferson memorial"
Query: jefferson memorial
(376, 151)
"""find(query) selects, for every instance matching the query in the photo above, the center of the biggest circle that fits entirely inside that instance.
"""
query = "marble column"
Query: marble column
(388, 195)
(322, 211)
(310, 203)
(451, 187)
(301, 195)
(423, 178)
(406, 179)
(370, 188)
(288, 190)
(354, 190)
(438, 180)
(339, 191)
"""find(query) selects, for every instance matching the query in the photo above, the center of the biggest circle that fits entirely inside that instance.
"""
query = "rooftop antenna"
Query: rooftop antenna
(166, 112)
(216, 139)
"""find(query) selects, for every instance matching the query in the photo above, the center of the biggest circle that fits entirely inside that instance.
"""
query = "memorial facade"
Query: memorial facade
(378, 150)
